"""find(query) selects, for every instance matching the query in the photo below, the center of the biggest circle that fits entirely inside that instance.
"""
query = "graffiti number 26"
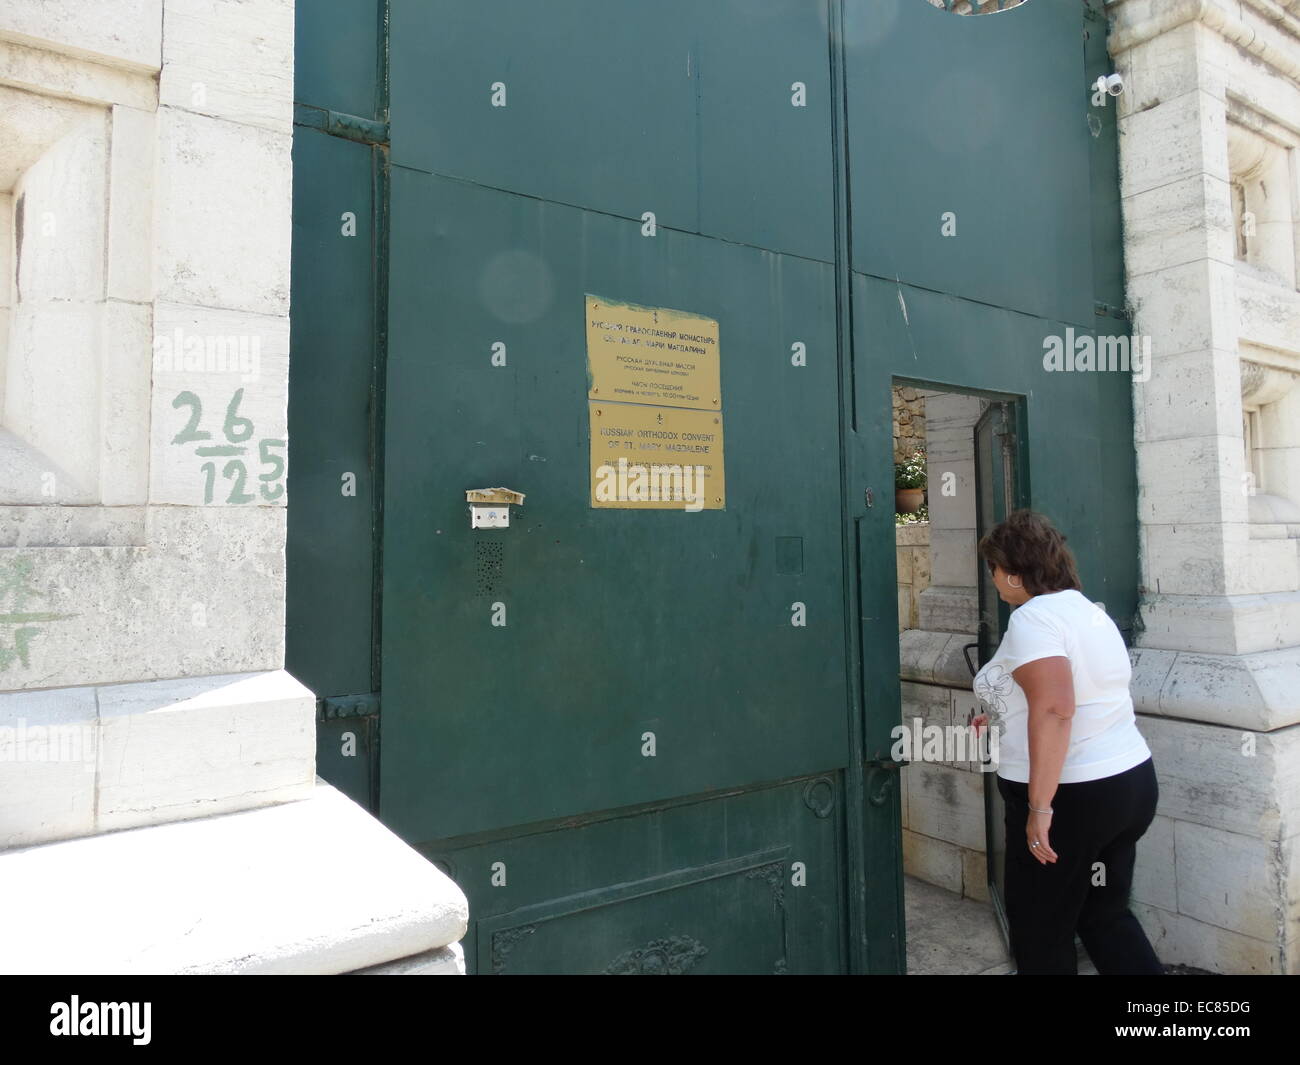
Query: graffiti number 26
(236, 429)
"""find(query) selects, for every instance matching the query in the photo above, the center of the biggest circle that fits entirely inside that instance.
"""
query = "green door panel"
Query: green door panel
(985, 118)
(681, 108)
(347, 755)
(618, 622)
(330, 547)
(1078, 425)
(1103, 147)
(1108, 535)
(338, 50)
(742, 883)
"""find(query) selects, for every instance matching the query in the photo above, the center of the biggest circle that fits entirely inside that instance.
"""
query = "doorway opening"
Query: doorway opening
(959, 469)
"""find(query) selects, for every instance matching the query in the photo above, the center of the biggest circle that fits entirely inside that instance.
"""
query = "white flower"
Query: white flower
(992, 687)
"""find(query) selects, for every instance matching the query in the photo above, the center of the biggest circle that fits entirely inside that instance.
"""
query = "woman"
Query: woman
(1075, 774)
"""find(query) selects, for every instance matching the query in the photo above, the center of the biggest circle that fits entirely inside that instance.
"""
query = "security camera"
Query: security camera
(1106, 85)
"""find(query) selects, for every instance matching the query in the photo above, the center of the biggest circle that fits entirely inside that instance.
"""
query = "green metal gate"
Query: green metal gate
(655, 740)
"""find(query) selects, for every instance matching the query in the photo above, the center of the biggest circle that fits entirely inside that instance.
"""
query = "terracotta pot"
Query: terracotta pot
(908, 500)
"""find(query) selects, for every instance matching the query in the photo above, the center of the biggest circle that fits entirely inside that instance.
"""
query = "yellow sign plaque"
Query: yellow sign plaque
(655, 355)
(656, 458)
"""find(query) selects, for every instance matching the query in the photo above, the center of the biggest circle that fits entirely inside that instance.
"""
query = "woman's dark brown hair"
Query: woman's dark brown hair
(1029, 546)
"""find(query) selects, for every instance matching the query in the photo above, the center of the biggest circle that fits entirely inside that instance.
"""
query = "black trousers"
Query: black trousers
(1095, 828)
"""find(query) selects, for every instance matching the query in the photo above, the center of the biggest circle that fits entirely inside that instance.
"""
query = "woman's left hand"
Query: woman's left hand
(1036, 828)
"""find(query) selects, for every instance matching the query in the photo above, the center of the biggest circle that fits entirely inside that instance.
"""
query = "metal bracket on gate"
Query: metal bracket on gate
(489, 508)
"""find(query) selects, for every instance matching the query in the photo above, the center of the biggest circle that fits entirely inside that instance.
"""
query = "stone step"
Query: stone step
(315, 886)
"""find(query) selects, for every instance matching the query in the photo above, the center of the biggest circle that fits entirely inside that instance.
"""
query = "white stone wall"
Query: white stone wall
(943, 802)
(146, 722)
(951, 602)
(1209, 146)
(145, 198)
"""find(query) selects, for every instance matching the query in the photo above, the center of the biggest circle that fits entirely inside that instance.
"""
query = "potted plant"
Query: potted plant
(909, 483)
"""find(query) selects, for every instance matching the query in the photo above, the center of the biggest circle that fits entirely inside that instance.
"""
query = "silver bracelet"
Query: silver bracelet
(1038, 811)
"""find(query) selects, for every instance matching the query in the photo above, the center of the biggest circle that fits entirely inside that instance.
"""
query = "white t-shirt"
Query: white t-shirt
(1104, 739)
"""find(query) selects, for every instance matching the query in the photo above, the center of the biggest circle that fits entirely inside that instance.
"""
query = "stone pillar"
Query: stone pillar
(145, 184)
(951, 603)
(1208, 145)
(943, 803)
(145, 376)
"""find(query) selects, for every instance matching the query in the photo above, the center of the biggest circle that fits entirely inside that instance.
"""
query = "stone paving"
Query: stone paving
(948, 935)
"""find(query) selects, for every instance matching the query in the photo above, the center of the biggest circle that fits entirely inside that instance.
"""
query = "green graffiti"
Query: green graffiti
(16, 591)
(22, 639)
(15, 586)
(238, 430)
